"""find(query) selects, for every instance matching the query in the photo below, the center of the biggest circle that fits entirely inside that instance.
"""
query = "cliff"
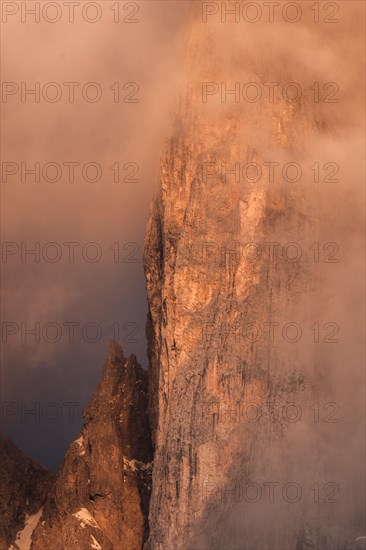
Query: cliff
(101, 495)
(233, 296)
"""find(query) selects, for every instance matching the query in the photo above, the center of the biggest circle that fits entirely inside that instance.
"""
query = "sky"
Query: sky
(94, 145)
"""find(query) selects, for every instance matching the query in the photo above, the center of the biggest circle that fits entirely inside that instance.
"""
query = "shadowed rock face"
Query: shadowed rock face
(101, 495)
(24, 486)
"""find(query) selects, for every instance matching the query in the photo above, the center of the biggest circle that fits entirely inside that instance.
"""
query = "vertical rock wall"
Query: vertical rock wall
(229, 369)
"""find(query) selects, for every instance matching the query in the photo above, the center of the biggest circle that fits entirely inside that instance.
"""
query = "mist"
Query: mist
(81, 295)
(329, 451)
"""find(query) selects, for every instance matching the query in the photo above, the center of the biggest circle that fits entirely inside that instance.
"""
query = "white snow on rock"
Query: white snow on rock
(80, 442)
(24, 537)
(135, 465)
(85, 518)
(95, 544)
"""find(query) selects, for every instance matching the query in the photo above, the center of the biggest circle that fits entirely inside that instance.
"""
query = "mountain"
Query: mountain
(25, 486)
(101, 495)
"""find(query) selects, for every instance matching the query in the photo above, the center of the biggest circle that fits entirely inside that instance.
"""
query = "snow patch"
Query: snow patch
(85, 518)
(24, 537)
(136, 465)
(80, 441)
(95, 544)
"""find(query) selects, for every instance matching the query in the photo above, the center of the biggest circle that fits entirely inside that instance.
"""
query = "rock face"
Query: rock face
(233, 365)
(101, 494)
(24, 489)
